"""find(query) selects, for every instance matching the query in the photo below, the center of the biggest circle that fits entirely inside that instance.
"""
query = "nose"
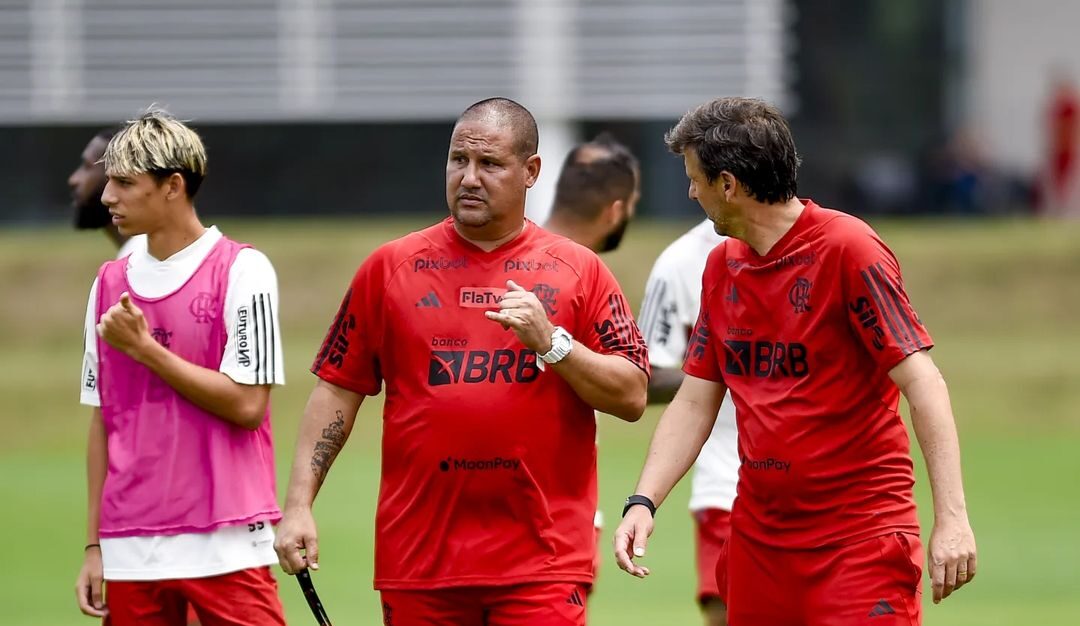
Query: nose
(469, 178)
(108, 196)
(73, 180)
(692, 192)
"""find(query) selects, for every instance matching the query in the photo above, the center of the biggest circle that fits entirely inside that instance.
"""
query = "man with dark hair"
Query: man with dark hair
(805, 319)
(87, 183)
(489, 460)
(596, 195)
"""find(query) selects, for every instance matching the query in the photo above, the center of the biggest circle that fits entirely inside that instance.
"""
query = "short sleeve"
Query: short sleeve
(349, 357)
(668, 312)
(702, 352)
(88, 389)
(253, 351)
(879, 310)
(609, 327)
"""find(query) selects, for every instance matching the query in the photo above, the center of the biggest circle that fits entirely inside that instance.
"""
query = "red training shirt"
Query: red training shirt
(804, 337)
(488, 463)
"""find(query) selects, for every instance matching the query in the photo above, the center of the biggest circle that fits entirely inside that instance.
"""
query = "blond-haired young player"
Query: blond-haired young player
(181, 348)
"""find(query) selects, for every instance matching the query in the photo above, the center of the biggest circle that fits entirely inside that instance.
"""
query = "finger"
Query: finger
(641, 538)
(289, 557)
(96, 597)
(972, 562)
(937, 579)
(100, 330)
(125, 301)
(312, 552)
(950, 578)
(512, 286)
(506, 319)
(622, 557)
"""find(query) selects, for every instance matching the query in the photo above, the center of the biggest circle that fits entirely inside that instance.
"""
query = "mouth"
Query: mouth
(470, 200)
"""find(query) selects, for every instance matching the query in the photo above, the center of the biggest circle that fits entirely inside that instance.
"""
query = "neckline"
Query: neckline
(523, 237)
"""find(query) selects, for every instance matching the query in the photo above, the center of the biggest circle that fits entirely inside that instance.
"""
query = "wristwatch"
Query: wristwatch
(637, 499)
(561, 345)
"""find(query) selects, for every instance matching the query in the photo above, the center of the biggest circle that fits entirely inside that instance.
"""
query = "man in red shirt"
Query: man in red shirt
(805, 319)
(496, 341)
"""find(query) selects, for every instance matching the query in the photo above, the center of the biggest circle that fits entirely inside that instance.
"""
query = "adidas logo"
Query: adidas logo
(575, 599)
(430, 301)
(881, 608)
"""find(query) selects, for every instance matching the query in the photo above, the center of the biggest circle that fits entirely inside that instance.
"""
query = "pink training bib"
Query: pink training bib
(173, 467)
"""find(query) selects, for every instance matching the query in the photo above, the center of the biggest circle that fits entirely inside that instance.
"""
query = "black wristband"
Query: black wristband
(643, 501)
(92, 545)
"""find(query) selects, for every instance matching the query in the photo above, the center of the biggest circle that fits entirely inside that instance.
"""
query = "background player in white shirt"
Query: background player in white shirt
(668, 313)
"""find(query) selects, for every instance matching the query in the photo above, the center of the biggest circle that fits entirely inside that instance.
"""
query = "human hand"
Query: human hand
(124, 327)
(295, 533)
(523, 312)
(89, 584)
(951, 555)
(630, 539)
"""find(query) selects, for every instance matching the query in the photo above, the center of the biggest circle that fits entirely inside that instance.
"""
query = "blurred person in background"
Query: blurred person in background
(181, 347)
(488, 489)
(668, 313)
(596, 197)
(805, 319)
(1059, 191)
(86, 184)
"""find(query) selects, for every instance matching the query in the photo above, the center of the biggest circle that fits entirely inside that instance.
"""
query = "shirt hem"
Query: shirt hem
(836, 541)
(482, 581)
(195, 572)
(271, 515)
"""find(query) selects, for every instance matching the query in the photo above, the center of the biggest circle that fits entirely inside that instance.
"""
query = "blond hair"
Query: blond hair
(158, 144)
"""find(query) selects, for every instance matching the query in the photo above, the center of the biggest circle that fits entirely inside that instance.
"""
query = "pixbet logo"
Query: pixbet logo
(531, 265)
(437, 264)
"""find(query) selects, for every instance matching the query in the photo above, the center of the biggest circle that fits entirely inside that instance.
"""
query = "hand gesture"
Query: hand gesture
(124, 327)
(630, 539)
(951, 555)
(522, 311)
(297, 533)
(88, 585)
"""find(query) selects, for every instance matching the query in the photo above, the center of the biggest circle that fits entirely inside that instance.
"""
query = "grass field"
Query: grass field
(1001, 299)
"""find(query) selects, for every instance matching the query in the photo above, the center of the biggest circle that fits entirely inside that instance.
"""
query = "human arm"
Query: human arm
(607, 382)
(325, 426)
(680, 433)
(88, 585)
(124, 327)
(951, 551)
(664, 384)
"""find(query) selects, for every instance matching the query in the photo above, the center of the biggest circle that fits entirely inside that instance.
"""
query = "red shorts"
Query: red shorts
(247, 597)
(537, 604)
(878, 578)
(713, 528)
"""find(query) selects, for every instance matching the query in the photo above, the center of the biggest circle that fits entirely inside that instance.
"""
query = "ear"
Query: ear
(175, 186)
(614, 212)
(727, 185)
(532, 170)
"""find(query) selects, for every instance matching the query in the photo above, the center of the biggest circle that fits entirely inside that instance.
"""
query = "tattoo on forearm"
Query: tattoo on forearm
(327, 448)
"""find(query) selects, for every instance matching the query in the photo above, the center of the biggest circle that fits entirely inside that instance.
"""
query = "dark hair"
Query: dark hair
(508, 113)
(594, 175)
(744, 136)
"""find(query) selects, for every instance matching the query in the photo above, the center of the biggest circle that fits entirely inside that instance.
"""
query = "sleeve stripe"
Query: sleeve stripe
(886, 311)
(271, 338)
(260, 349)
(255, 336)
(650, 309)
(626, 323)
(894, 293)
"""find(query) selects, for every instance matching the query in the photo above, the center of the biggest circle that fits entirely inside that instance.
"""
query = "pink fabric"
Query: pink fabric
(173, 467)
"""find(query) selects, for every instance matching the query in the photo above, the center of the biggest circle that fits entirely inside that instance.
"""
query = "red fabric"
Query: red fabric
(804, 337)
(544, 604)
(245, 598)
(712, 530)
(489, 459)
(876, 581)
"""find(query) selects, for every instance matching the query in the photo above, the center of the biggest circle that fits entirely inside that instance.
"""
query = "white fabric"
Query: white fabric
(230, 549)
(192, 555)
(668, 314)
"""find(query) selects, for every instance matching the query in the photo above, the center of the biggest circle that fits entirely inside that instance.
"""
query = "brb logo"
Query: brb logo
(451, 367)
(766, 358)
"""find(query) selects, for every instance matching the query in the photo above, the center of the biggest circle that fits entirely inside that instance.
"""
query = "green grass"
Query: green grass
(1001, 299)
